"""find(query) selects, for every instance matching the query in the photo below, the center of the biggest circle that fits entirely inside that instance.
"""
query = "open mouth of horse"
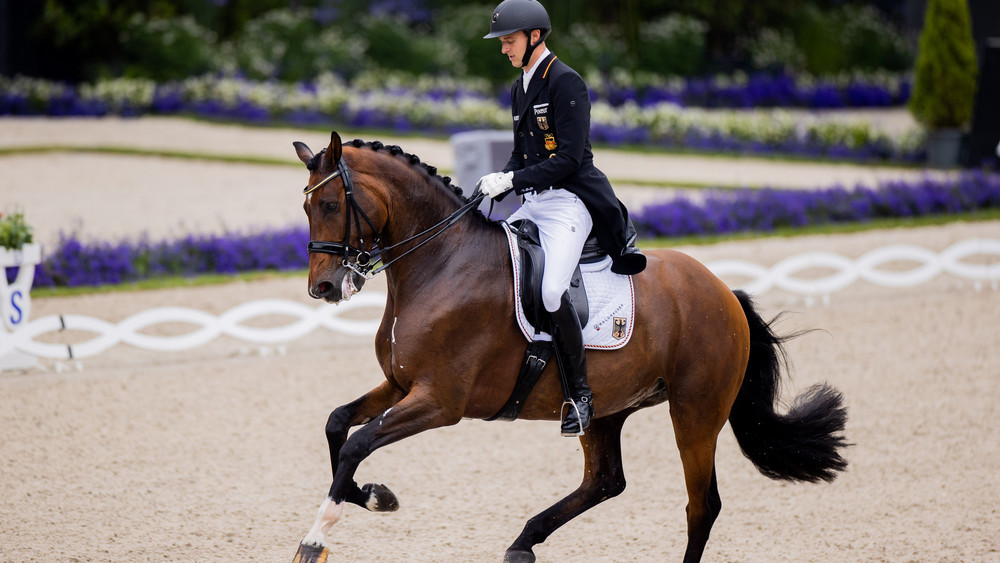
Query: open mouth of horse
(333, 291)
(350, 284)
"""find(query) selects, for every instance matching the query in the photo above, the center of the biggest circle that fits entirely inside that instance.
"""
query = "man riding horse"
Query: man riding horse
(565, 195)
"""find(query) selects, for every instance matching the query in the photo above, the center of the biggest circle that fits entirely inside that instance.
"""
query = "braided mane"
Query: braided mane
(397, 151)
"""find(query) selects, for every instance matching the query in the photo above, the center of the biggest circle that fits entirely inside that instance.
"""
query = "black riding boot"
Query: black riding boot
(568, 337)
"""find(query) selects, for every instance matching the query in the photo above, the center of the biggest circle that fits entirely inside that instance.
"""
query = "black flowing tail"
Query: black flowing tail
(804, 443)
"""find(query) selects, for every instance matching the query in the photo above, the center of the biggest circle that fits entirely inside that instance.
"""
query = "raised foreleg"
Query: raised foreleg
(415, 413)
(603, 478)
(361, 411)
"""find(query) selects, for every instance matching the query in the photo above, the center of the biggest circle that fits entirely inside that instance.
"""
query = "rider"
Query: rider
(552, 166)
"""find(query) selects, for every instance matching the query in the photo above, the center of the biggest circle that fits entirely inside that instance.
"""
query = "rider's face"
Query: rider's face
(513, 45)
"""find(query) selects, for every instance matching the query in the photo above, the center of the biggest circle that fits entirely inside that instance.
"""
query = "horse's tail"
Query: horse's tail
(804, 443)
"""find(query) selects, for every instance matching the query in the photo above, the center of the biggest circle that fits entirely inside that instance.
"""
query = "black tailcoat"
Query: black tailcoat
(552, 147)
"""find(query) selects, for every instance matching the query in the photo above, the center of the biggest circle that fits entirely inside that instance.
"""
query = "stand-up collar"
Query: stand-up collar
(531, 71)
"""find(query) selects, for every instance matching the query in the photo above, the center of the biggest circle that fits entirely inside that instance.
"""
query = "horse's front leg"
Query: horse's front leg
(359, 411)
(413, 414)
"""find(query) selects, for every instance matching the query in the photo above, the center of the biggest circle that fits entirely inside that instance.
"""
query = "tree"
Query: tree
(944, 90)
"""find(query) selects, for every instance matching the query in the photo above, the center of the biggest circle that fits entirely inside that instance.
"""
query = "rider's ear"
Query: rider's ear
(335, 149)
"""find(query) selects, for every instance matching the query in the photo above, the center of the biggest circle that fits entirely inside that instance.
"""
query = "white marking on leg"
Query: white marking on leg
(372, 503)
(329, 514)
(382, 418)
(392, 333)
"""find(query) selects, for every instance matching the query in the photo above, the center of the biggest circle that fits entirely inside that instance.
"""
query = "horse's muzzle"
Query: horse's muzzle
(340, 287)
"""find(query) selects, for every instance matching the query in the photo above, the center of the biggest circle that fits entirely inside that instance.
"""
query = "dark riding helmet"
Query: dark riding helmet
(512, 16)
(519, 15)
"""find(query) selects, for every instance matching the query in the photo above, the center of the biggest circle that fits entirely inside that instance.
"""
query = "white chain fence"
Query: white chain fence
(927, 265)
(210, 327)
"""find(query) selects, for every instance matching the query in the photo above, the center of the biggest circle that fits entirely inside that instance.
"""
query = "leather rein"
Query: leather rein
(365, 260)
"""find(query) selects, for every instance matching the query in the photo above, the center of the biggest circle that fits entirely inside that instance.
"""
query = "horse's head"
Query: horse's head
(344, 223)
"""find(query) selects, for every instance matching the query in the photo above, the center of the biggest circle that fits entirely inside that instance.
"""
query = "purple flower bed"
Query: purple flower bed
(452, 107)
(764, 90)
(76, 263)
(750, 210)
(809, 146)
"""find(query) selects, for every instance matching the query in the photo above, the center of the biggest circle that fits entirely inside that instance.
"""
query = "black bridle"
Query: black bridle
(365, 260)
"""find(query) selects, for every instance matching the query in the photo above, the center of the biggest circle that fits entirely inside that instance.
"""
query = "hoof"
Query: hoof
(311, 554)
(380, 498)
(518, 556)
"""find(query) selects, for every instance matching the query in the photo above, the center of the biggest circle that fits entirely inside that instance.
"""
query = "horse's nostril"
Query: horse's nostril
(324, 288)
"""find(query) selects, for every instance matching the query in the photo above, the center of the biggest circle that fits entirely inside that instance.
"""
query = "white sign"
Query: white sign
(15, 297)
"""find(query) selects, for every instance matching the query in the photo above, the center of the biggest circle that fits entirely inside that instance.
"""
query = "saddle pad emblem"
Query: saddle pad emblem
(618, 332)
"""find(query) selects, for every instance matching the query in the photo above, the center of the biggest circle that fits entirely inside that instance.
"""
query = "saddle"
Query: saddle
(532, 266)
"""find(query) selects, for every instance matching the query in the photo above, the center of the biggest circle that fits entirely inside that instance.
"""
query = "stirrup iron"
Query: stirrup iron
(579, 419)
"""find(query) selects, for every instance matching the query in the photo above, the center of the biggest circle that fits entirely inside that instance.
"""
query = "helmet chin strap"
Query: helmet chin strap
(531, 48)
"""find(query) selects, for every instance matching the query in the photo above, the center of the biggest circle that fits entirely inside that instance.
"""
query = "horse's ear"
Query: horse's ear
(336, 149)
(305, 153)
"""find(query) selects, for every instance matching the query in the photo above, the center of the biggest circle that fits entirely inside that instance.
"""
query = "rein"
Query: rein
(363, 259)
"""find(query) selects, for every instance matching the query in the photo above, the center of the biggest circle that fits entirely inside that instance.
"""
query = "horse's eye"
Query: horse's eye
(331, 206)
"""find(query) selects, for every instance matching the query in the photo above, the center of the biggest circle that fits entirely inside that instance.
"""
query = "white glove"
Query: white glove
(496, 183)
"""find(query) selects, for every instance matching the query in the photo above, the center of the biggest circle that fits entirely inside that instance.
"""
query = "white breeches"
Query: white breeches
(563, 225)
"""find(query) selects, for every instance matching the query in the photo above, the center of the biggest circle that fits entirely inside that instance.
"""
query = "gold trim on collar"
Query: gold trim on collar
(546, 73)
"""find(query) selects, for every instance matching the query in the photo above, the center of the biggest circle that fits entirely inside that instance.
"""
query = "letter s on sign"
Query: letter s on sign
(15, 300)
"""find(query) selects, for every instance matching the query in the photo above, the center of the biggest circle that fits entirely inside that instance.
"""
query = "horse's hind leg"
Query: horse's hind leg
(697, 434)
(603, 478)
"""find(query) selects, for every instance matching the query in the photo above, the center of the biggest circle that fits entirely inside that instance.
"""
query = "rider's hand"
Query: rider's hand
(496, 183)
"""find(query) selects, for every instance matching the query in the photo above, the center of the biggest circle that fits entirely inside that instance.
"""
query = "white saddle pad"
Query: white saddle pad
(611, 297)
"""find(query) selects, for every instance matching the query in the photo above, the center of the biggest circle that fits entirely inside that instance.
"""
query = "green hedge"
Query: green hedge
(944, 91)
(267, 39)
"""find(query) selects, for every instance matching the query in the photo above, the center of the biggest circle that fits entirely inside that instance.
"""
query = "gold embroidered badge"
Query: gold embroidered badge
(543, 123)
(550, 142)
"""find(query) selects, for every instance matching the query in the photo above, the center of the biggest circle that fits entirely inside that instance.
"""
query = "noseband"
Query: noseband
(365, 260)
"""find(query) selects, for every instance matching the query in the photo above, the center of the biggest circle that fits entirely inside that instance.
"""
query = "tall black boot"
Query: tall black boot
(568, 337)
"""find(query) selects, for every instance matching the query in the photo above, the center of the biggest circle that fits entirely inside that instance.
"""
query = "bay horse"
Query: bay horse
(450, 353)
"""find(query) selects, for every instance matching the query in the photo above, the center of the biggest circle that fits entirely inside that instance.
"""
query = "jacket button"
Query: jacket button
(520, 133)
(525, 157)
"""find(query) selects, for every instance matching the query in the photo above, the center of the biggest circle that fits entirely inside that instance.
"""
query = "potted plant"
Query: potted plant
(944, 89)
(16, 251)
